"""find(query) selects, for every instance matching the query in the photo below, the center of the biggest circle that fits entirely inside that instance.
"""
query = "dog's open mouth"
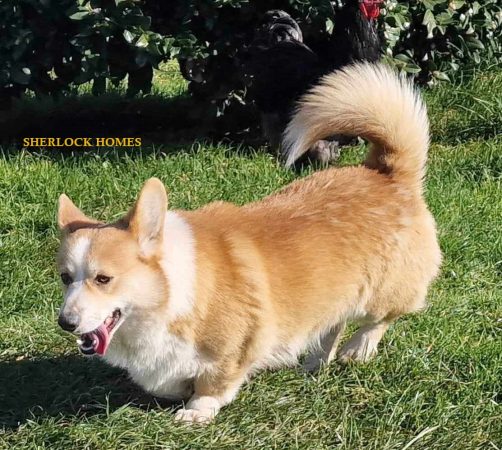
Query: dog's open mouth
(97, 341)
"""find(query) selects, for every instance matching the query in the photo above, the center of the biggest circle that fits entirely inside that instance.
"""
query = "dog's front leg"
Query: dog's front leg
(211, 393)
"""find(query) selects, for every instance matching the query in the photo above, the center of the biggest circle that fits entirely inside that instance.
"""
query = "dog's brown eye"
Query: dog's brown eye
(66, 279)
(102, 279)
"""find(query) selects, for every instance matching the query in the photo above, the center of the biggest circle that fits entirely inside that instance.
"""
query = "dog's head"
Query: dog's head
(110, 271)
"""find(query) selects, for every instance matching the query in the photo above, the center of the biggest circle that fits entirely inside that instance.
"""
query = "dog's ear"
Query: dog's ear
(146, 219)
(70, 218)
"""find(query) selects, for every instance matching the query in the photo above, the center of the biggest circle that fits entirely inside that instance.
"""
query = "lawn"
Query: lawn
(436, 383)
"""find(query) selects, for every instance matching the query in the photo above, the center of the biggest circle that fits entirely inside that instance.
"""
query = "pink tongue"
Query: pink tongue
(102, 339)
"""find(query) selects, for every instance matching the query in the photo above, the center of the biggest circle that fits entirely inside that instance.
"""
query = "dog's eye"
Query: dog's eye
(102, 279)
(66, 278)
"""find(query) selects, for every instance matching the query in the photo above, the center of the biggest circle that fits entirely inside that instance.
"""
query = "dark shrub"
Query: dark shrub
(48, 45)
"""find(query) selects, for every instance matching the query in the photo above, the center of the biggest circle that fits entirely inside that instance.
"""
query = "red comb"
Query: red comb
(370, 8)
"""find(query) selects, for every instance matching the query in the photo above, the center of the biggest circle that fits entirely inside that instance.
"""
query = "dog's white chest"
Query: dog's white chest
(161, 363)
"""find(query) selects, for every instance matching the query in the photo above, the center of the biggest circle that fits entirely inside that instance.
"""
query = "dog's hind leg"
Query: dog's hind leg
(383, 309)
(327, 351)
(363, 344)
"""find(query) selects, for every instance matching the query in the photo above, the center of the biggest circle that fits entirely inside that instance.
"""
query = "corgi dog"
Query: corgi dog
(192, 303)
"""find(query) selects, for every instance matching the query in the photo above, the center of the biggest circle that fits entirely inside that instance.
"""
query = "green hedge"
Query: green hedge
(48, 46)
(436, 38)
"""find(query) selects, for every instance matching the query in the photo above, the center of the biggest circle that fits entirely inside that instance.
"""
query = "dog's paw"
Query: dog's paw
(356, 353)
(201, 416)
(362, 346)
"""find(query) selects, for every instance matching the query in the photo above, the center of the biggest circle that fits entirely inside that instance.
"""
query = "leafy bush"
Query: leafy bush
(430, 39)
(48, 45)
(223, 31)
(435, 38)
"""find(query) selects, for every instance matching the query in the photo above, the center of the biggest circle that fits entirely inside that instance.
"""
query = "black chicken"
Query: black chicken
(282, 67)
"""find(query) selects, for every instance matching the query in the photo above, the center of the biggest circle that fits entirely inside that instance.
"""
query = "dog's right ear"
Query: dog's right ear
(70, 218)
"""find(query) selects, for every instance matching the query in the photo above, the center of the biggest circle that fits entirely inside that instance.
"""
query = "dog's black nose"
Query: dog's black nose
(68, 322)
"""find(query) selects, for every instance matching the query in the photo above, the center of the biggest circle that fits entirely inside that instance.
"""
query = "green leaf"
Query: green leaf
(142, 42)
(128, 36)
(445, 18)
(412, 68)
(329, 25)
(456, 4)
(429, 20)
(403, 57)
(429, 5)
(473, 42)
(80, 15)
(440, 76)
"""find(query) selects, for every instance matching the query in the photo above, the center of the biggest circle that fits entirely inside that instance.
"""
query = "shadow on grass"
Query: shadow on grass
(155, 119)
(63, 387)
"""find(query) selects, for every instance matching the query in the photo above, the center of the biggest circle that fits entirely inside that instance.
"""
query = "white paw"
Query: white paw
(356, 352)
(202, 416)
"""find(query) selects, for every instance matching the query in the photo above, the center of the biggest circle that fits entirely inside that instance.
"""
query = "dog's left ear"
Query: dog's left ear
(146, 219)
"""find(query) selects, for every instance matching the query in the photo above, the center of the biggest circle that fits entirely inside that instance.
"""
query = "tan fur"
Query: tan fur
(275, 276)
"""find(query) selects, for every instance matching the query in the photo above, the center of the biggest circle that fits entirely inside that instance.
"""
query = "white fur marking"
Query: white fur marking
(78, 256)
(73, 292)
(78, 263)
(178, 263)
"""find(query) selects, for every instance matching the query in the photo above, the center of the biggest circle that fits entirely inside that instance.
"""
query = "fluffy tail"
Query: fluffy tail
(371, 101)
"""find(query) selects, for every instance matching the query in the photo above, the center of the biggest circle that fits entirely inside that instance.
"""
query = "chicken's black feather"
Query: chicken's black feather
(283, 67)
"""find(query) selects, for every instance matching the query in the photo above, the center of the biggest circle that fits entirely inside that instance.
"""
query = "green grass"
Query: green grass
(435, 384)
